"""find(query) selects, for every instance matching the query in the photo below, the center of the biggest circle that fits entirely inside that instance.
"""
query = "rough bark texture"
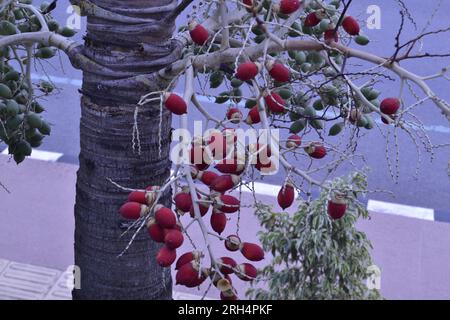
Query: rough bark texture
(106, 151)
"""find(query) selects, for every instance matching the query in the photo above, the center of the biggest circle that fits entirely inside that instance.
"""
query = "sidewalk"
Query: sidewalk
(36, 239)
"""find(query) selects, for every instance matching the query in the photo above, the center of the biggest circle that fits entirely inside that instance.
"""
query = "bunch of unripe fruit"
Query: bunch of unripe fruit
(22, 126)
(163, 225)
(22, 20)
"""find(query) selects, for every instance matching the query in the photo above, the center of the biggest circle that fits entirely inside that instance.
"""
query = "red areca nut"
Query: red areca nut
(248, 70)
(390, 106)
(293, 141)
(227, 265)
(337, 206)
(133, 210)
(183, 200)
(190, 275)
(175, 104)
(312, 19)
(234, 115)
(288, 6)
(351, 26)
(316, 150)
(165, 217)
(198, 33)
(278, 71)
(188, 257)
(166, 256)
(226, 203)
(253, 116)
(252, 251)
(207, 177)
(225, 182)
(275, 102)
(144, 197)
(286, 196)
(218, 221)
(246, 272)
(173, 239)
(155, 231)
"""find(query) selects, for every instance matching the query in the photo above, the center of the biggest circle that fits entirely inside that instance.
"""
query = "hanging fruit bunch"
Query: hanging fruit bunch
(22, 126)
(261, 92)
(165, 226)
(279, 66)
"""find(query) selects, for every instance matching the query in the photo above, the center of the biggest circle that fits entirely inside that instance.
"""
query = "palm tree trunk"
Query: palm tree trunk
(107, 117)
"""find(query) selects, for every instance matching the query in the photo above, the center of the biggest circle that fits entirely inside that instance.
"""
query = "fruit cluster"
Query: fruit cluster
(21, 125)
(302, 92)
(164, 226)
(304, 110)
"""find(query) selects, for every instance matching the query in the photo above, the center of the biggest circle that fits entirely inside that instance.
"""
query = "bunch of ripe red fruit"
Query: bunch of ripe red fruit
(164, 228)
(349, 24)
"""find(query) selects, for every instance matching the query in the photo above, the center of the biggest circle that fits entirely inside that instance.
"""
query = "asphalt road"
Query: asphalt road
(431, 187)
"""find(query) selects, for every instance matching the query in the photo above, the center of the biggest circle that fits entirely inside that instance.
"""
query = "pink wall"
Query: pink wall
(413, 255)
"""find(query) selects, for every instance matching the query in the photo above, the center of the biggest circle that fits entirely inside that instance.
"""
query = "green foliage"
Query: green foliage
(316, 257)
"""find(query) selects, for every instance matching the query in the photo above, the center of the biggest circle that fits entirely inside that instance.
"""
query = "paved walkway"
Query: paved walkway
(20, 281)
(26, 281)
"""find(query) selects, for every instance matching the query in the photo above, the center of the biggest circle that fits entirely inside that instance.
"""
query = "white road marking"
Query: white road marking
(401, 210)
(41, 155)
(56, 79)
